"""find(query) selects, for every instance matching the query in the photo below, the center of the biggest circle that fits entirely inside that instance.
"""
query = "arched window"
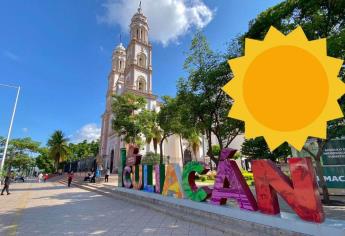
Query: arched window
(120, 65)
(142, 60)
(141, 84)
(137, 33)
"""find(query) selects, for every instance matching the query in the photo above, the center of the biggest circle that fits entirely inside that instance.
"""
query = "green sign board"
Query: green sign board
(334, 153)
(334, 176)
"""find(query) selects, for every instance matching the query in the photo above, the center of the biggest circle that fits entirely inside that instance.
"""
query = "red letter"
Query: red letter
(301, 194)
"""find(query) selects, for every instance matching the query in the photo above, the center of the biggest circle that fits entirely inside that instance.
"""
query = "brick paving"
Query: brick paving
(53, 209)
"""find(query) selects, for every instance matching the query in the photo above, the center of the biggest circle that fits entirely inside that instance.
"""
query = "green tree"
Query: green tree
(84, 149)
(319, 19)
(203, 98)
(20, 153)
(194, 142)
(170, 121)
(58, 147)
(126, 122)
(148, 121)
(44, 162)
(258, 149)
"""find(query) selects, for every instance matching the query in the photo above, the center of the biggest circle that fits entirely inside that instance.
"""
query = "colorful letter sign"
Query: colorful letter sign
(188, 181)
(127, 177)
(159, 177)
(172, 184)
(230, 183)
(147, 171)
(137, 177)
(301, 193)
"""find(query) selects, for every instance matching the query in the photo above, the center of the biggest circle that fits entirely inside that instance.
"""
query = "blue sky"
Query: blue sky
(59, 52)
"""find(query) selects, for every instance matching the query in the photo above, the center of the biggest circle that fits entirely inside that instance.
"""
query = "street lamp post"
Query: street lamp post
(11, 123)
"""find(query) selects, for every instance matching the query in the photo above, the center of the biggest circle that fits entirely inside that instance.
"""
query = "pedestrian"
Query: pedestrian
(107, 173)
(93, 177)
(7, 185)
(45, 177)
(40, 177)
(70, 178)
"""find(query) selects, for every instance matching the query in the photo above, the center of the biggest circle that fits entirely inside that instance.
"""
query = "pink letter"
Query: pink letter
(230, 183)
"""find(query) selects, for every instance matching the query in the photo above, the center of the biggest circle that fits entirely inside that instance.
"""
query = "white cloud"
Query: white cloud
(10, 55)
(168, 19)
(25, 130)
(89, 132)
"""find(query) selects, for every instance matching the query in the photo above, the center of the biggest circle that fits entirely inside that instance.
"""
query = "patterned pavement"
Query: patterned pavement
(53, 209)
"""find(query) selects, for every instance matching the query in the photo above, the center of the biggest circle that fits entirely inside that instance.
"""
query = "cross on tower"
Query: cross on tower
(139, 9)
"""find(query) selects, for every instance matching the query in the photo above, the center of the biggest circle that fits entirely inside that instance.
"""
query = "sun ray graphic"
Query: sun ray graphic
(285, 88)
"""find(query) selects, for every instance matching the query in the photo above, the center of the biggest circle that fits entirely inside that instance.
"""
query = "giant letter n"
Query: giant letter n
(300, 192)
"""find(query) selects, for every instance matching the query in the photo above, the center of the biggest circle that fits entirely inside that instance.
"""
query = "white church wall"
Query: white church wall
(172, 149)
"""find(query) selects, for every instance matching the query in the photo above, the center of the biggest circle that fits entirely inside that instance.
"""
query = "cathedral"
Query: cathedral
(131, 72)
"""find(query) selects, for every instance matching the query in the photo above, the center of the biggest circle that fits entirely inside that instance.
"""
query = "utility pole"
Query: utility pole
(11, 123)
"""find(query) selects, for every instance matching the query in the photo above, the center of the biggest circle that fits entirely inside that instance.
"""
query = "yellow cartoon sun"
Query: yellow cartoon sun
(285, 88)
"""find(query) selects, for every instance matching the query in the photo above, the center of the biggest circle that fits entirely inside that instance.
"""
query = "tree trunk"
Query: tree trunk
(181, 148)
(209, 151)
(161, 151)
(155, 145)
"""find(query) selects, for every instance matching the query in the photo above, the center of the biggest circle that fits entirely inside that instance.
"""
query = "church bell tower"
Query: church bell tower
(138, 73)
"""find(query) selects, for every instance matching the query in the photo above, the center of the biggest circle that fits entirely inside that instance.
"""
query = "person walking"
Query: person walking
(45, 177)
(93, 177)
(107, 173)
(70, 178)
(40, 176)
(7, 185)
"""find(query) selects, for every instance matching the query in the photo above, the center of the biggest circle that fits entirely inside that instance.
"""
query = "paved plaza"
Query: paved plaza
(53, 209)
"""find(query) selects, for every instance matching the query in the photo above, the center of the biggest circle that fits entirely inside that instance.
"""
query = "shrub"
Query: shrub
(211, 175)
(150, 158)
(203, 178)
(216, 150)
(248, 176)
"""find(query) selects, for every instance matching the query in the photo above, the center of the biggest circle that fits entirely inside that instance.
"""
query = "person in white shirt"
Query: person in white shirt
(40, 177)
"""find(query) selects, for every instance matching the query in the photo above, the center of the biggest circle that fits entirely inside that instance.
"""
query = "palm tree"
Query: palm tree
(194, 142)
(58, 147)
(150, 127)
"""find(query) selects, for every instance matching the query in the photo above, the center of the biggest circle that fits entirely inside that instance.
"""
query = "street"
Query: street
(53, 209)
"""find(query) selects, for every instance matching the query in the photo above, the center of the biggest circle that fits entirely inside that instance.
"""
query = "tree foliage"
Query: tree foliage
(257, 149)
(126, 110)
(201, 95)
(149, 127)
(84, 149)
(44, 161)
(58, 147)
(20, 153)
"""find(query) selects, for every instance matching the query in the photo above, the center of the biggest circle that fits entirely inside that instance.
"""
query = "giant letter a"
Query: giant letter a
(301, 193)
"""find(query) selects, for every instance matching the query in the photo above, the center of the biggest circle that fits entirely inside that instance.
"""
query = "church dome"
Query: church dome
(139, 16)
(120, 47)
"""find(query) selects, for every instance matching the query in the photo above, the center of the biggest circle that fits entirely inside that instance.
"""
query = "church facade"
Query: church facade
(131, 72)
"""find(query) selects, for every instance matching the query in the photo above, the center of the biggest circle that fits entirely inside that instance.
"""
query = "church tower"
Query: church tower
(131, 72)
(138, 72)
(115, 86)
